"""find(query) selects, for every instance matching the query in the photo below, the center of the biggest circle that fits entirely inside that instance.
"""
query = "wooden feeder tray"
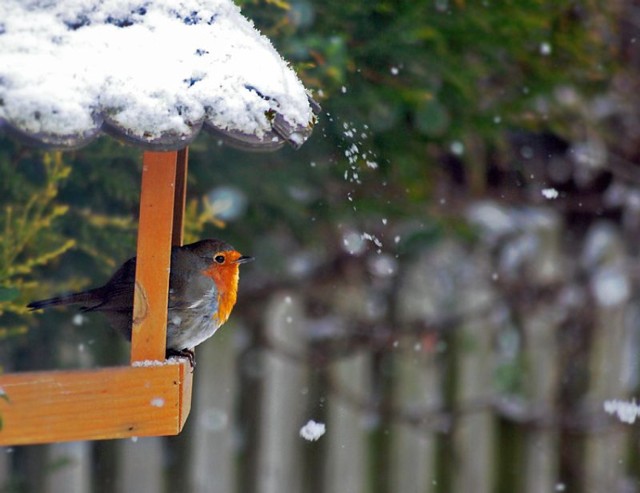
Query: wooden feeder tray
(149, 398)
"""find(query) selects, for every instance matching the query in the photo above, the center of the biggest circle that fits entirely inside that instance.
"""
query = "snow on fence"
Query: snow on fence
(489, 373)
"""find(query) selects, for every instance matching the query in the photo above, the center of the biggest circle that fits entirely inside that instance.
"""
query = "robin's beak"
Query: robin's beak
(244, 259)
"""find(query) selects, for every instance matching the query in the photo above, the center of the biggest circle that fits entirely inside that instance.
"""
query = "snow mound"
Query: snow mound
(149, 72)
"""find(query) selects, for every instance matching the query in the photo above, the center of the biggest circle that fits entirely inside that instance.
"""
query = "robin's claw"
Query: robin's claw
(183, 353)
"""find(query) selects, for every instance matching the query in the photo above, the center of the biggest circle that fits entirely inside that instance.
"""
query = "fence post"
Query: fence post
(417, 379)
(140, 465)
(413, 447)
(474, 429)
(540, 329)
(71, 471)
(213, 454)
(72, 468)
(606, 449)
(5, 467)
(541, 444)
(285, 384)
(346, 468)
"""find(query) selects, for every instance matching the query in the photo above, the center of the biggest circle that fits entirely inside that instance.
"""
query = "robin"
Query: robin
(203, 285)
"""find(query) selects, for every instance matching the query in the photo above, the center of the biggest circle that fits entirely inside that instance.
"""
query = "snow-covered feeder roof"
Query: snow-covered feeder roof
(151, 72)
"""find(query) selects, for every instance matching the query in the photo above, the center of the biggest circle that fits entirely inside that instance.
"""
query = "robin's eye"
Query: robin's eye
(219, 259)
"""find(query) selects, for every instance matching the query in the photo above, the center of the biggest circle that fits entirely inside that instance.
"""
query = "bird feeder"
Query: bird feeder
(152, 74)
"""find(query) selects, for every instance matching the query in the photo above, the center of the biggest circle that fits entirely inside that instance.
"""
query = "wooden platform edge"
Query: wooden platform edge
(105, 403)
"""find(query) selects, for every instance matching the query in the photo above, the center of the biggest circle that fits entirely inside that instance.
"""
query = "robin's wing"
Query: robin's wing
(192, 295)
(117, 294)
(188, 286)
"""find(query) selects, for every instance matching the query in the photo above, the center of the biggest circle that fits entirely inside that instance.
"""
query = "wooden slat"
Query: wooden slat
(180, 202)
(148, 340)
(95, 404)
(347, 441)
(284, 408)
(180, 196)
(186, 380)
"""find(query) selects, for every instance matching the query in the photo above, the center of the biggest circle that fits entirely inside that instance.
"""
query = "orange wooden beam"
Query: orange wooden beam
(155, 232)
(116, 402)
(182, 167)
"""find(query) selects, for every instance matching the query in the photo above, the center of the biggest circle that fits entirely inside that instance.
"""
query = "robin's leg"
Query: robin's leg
(183, 353)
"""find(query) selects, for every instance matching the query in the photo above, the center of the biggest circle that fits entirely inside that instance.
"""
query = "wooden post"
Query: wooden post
(74, 476)
(212, 445)
(474, 466)
(607, 457)
(155, 233)
(417, 379)
(541, 443)
(347, 436)
(180, 196)
(541, 325)
(141, 465)
(284, 403)
(413, 448)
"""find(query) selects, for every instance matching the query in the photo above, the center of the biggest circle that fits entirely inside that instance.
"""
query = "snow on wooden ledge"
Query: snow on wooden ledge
(151, 73)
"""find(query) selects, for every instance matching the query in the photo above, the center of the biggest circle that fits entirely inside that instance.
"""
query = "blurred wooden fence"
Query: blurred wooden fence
(477, 368)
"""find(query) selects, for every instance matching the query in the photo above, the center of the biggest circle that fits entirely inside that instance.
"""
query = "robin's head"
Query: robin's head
(222, 266)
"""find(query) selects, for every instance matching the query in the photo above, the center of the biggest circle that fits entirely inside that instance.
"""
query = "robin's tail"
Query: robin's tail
(85, 298)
